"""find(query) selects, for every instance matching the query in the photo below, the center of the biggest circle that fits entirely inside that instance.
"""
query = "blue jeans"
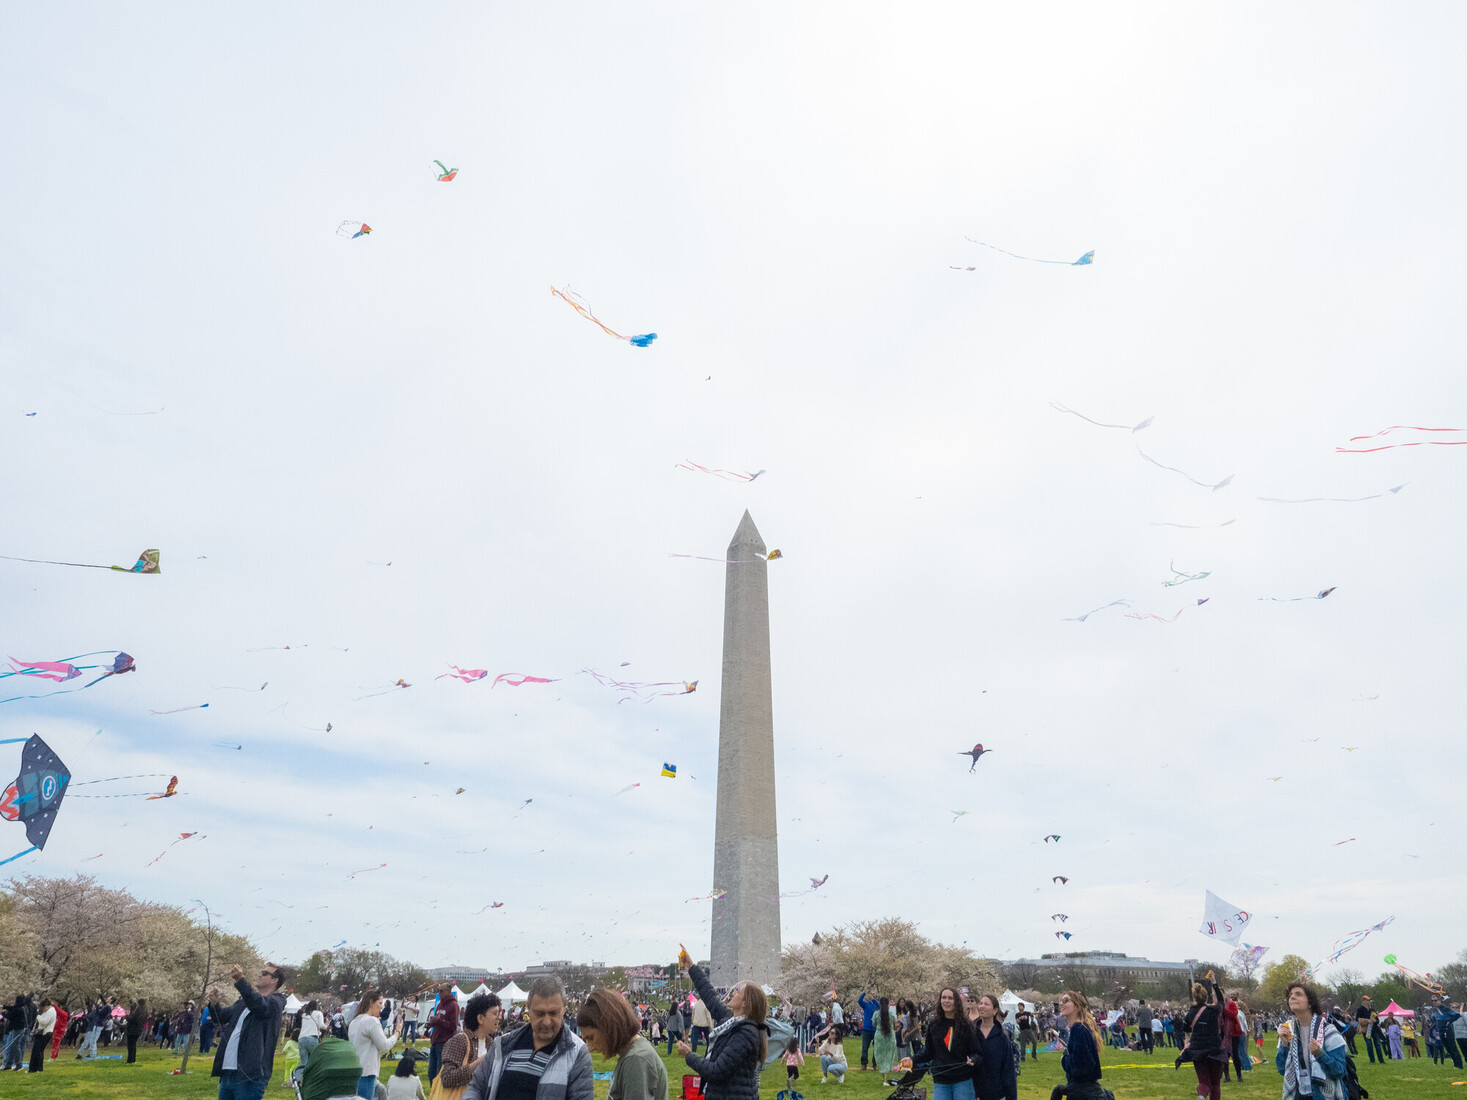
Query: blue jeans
(963, 1090)
(234, 1087)
(867, 1034)
(435, 1061)
(829, 1066)
(206, 1038)
(90, 1043)
(367, 1088)
(14, 1049)
(410, 1031)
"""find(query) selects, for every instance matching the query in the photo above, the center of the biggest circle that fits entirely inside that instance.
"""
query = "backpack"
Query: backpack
(1353, 1088)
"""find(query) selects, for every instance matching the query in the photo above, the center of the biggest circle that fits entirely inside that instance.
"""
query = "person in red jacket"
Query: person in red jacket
(442, 1026)
(59, 1031)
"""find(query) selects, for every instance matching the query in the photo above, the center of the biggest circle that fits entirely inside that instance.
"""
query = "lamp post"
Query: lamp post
(204, 988)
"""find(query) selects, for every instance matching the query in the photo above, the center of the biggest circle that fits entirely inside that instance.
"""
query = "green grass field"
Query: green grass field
(1154, 1077)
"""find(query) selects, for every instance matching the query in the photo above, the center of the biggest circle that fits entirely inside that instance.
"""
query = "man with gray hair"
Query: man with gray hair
(543, 1060)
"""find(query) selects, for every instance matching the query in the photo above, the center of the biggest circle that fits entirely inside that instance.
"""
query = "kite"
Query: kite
(1062, 935)
(181, 838)
(1059, 879)
(1295, 599)
(364, 870)
(460, 790)
(1082, 618)
(228, 745)
(815, 884)
(669, 771)
(180, 710)
(62, 671)
(35, 796)
(1401, 428)
(1222, 921)
(1174, 618)
(959, 813)
(467, 675)
(1214, 487)
(515, 679)
(714, 896)
(1061, 917)
(727, 475)
(401, 683)
(1246, 956)
(1336, 845)
(1274, 778)
(226, 687)
(1425, 981)
(975, 752)
(445, 175)
(169, 793)
(1334, 500)
(628, 787)
(575, 302)
(147, 563)
(353, 229)
(1084, 261)
(773, 555)
(1124, 427)
(1052, 836)
(1197, 526)
(1178, 577)
(636, 689)
(491, 905)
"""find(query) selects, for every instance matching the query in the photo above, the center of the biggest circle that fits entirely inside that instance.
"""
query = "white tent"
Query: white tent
(458, 995)
(480, 988)
(293, 1004)
(512, 993)
(1011, 1003)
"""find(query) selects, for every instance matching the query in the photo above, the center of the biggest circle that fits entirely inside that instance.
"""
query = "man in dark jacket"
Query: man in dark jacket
(1143, 1027)
(249, 1030)
(544, 1060)
(209, 1021)
(442, 1026)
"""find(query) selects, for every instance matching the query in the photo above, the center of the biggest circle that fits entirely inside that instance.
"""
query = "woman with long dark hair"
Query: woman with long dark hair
(884, 1043)
(994, 1073)
(738, 1042)
(133, 1028)
(950, 1044)
(1081, 1060)
(1206, 1045)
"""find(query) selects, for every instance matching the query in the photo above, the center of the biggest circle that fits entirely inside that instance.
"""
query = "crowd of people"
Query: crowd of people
(481, 1049)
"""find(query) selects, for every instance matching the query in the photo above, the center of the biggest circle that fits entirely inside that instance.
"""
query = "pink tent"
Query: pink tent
(1394, 1009)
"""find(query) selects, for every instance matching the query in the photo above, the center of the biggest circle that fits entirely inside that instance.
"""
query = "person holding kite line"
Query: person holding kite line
(1206, 1047)
(738, 1042)
(950, 1046)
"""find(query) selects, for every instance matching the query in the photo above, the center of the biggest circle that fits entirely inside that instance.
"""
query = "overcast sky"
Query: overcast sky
(780, 192)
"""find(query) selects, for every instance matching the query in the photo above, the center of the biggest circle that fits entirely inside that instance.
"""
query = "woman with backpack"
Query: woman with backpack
(1311, 1054)
(737, 1044)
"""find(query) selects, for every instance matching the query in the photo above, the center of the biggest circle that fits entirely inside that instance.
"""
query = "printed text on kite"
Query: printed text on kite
(34, 798)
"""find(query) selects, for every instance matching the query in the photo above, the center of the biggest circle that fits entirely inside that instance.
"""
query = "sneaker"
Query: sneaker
(822, 1080)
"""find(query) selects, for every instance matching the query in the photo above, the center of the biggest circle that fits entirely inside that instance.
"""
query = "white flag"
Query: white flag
(1222, 921)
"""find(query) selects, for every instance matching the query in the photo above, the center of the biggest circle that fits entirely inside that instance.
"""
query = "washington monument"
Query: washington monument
(745, 847)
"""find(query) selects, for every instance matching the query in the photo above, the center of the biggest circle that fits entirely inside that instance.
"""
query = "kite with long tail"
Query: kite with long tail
(467, 675)
(1224, 483)
(1333, 500)
(1415, 441)
(147, 563)
(1124, 427)
(1084, 261)
(640, 689)
(181, 838)
(726, 475)
(445, 175)
(516, 679)
(62, 671)
(580, 306)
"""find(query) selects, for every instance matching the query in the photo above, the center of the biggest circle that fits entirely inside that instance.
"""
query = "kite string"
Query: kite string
(1016, 256)
(13, 858)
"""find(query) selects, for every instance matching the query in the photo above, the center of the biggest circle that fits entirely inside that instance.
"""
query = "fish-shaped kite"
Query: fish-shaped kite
(467, 675)
(35, 796)
(169, 793)
(515, 679)
(975, 752)
(353, 229)
(62, 671)
(1084, 261)
(445, 175)
(147, 563)
(575, 301)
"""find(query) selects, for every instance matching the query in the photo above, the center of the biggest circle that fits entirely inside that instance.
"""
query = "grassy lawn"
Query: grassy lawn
(111, 1079)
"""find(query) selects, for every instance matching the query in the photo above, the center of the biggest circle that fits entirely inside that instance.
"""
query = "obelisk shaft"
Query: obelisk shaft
(746, 941)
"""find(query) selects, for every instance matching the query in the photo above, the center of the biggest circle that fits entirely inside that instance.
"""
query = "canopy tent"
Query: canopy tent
(1011, 1003)
(1394, 1009)
(512, 993)
(458, 995)
(293, 1004)
(480, 988)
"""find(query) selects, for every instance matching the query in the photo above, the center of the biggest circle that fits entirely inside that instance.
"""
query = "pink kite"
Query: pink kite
(467, 675)
(1402, 428)
(516, 679)
(60, 671)
(642, 690)
(181, 837)
(364, 870)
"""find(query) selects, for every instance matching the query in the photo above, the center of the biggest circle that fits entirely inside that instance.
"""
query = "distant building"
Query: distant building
(473, 974)
(642, 978)
(1112, 965)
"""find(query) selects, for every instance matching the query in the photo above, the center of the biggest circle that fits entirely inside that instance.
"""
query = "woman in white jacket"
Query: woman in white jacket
(44, 1023)
(367, 1036)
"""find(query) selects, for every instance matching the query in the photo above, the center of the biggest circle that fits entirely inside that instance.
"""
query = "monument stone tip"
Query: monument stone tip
(747, 535)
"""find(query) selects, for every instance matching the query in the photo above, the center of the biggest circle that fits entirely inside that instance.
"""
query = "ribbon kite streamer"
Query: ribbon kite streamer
(1415, 442)
(1133, 428)
(1084, 261)
(576, 302)
(1214, 486)
(515, 679)
(726, 475)
(147, 563)
(1178, 577)
(62, 671)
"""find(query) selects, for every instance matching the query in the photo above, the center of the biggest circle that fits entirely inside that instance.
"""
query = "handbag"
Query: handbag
(440, 1091)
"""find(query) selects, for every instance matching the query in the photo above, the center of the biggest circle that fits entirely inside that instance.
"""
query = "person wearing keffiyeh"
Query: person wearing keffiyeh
(1311, 1053)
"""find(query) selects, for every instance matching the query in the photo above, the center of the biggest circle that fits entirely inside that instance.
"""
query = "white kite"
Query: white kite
(1223, 921)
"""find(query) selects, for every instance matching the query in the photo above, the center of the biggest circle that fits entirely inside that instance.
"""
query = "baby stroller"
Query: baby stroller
(906, 1086)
